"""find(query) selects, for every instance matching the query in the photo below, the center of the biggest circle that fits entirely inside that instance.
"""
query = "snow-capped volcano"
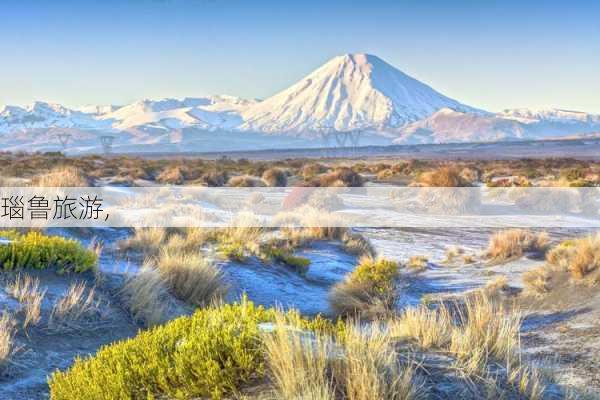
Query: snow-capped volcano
(348, 92)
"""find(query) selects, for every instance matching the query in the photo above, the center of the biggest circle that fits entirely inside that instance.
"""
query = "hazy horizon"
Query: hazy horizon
(489, 55)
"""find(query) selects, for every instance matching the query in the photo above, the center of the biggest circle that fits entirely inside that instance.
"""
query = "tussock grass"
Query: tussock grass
(418, 263)
(370, 368)
(76, 304)
(7, 339)
(369, 290)
(538, 281)
(245, 181)
(26, 290)
(428, 328)
(144, 296)
(513, 243)
(298, 363)
(571, 261)
(486, 330)
(191, 277)
(446, 176)
(581, 257)
(66, 176)
(145, 240)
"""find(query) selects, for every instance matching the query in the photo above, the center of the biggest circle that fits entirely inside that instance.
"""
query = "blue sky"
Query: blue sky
(487, 54)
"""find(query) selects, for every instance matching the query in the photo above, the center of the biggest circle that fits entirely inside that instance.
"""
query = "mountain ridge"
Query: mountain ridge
(352, 92)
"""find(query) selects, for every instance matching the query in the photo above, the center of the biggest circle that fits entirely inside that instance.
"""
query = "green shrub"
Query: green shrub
(213, 353)
(286, 257)
(377, 274)
(38, 251)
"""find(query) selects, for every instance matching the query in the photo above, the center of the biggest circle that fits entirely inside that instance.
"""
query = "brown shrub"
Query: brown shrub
(275, 177)
(513, 243)
(443, 177)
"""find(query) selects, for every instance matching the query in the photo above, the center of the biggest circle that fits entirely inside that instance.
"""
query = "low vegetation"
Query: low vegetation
(144, 296)
(514, 243)
(38, 251)
(7, 339)
(231, 350)
(26, 290)
(77, 306)
(370, 289)
(191, 277)
(573, 260)
(213, 353)
(62, 177)
(417, 263)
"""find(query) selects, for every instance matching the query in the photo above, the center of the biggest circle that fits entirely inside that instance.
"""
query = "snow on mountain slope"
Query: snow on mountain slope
(353, 91)
(550, 115)
(41, 115)
(203, 113)
(449, 126)
(348, 92)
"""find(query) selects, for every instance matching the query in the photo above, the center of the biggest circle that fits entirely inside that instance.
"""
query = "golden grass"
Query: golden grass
(147, 241)
(513, 243)
(426, 327)
(7, 338)
(370, 367)
(77, 303)
(538, 281)
(443, 177)
(581, 257)
(245, 181)
(418, 263)
(25, 290)
(61, 177)
(144, 296)
(298, 363)
(191, 277)
(486, 330)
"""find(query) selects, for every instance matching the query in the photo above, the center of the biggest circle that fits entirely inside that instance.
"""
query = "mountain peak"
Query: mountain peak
(351, 91)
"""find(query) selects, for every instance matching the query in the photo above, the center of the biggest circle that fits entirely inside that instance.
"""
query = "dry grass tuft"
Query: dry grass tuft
(7, 338)
(486, 330)
(147, 241)
(144, 296)
(581, 257)
(298, 364)
(428, 328)
(370, 368)
(191, 277)
(76, 304)
(538, 281)
(25, 290)
(61, 177)
(443, 177)
(245, 181)
(513, 243)
(418, 263)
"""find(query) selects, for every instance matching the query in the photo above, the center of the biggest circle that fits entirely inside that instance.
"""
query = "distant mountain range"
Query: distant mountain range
(350, 93)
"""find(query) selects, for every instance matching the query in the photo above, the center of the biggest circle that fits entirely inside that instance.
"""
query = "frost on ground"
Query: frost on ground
(560, 330)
